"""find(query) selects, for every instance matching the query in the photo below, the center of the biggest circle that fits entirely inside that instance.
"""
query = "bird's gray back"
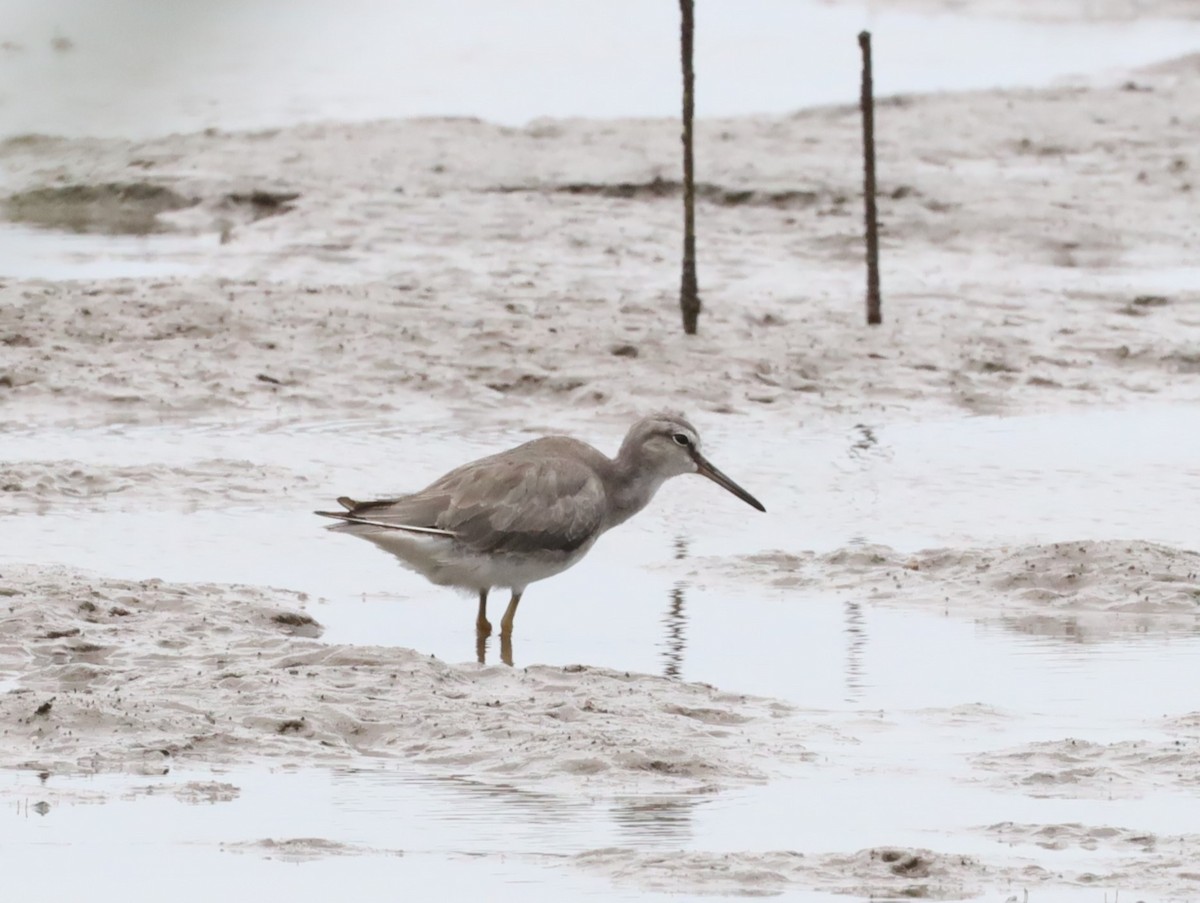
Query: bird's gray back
(546, 495)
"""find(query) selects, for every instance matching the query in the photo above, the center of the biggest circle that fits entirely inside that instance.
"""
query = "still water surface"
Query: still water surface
(262, 64)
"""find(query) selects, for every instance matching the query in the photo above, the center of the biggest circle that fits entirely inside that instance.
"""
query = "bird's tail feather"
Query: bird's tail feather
(367, 522)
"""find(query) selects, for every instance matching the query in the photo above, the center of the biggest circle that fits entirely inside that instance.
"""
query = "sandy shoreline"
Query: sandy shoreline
(37, 486)
(108, 674)
(422, 273)
(1088, 591)
(1157, 865)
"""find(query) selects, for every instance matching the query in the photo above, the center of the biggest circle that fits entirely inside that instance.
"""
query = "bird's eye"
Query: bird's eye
(681, 439)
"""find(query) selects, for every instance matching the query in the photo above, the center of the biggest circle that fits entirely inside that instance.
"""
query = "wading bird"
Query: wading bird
(528, 513)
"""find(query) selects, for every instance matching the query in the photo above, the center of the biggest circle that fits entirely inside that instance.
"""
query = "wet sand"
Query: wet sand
(1037, 246)
(108, 682)
(1039, 249)
(1086, 590)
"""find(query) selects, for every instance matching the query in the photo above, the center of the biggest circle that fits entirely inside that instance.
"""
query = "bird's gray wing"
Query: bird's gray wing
(523, 505)
(508, 503)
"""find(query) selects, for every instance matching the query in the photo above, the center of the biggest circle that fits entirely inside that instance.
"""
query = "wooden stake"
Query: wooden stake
(689, 291)
(874, 313)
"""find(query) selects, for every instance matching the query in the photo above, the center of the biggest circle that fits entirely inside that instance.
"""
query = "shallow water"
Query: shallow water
(458, 836)
(641, 601)
(509, 62)
(638, 601)
(463, 839)
(454, 835)
(31, 253)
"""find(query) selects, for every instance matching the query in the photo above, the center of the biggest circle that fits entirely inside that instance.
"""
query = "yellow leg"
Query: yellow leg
(483, 627)
(506, 623)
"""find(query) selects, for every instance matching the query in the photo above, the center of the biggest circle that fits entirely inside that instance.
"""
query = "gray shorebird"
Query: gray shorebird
(528, 513)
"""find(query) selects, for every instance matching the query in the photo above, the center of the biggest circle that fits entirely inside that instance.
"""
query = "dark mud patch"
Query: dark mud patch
(298, 624)
(113, 208)
(260, 204)
(303, 849)
(889, 873)
(659, 188)
(1183, 361)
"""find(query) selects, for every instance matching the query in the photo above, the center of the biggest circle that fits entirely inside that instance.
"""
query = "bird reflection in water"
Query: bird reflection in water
(675, 620)
(481, 644)
(856, 636)
(657, 819)
(864, 442)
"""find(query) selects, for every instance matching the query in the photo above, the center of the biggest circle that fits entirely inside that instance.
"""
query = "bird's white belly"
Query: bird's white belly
(518, 570)
(447, 563)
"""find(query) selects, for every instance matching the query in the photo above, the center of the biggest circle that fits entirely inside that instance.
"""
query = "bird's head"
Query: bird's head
(667, 445)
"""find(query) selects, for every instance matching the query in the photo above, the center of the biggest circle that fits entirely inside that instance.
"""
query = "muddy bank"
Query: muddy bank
(1082, 769)
(110, 675)
(425, 275)
(1141, 862)
(885, 872)
(216, 482)
(1086, 591)
(114, 208)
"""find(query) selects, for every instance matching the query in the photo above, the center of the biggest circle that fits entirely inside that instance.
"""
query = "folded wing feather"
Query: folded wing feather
(513, 504)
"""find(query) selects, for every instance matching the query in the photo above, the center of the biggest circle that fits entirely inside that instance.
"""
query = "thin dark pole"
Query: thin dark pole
(874, 314)
(689, 290)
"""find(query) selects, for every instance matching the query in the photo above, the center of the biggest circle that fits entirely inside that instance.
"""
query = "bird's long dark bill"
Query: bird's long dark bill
(705, 469)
